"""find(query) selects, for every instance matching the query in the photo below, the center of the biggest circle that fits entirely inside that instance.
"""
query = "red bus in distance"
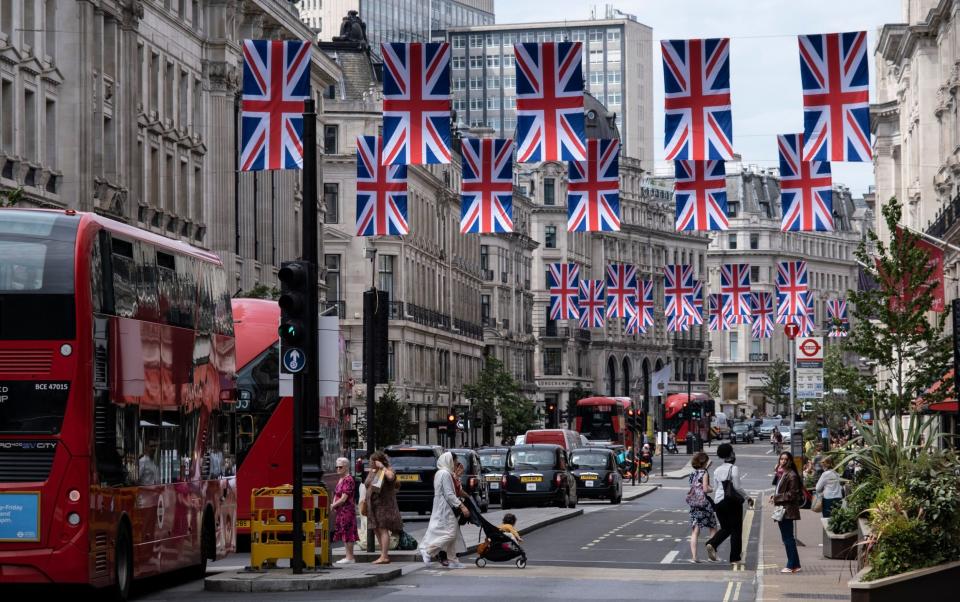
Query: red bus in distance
(604, 419)
(682, 413)
(117, 366)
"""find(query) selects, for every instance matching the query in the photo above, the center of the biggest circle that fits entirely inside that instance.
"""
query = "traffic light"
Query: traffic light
(294, 281)
(632, 420)
(451, 420)
(551, 415)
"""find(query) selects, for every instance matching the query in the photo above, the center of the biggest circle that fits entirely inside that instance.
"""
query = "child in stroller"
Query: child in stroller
(498, 545)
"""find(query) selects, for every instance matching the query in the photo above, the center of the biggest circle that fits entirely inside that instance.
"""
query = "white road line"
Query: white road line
(736, 592)
(726, 596)
(670, 556)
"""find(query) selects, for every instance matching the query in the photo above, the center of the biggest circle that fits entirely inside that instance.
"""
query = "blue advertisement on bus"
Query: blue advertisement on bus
(19, 516)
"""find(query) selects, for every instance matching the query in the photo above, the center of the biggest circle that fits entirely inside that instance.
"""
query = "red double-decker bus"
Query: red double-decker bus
(604, 419)
(684, 414)
(264, 419)
(116, 386)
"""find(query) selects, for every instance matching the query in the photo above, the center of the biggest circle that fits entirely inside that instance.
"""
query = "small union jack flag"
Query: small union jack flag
(836, 97)
(621, 290)
(837, 321)
(807, 320)
(645, 304)
(550, 124)
(416, 103)
(696, 81)
(806, 189)
(276, 81)
(486, 191)
(381, 192)
(700, 189)
(735, 288)
(697, 316)
(719, 318)
(761, 304)
(633, 321)
(791, 289)
(678, 323)
(563, 280)
(592, 304)
(593, 189)
(678, 290)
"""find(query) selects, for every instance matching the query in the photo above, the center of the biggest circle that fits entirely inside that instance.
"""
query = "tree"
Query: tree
(576, 394)
(713, 383)
(776, 386)
(11, 197)
(390, 418)
(894, 326)
(261, 291)
(845, 392)
(517, 416)
(495, 392)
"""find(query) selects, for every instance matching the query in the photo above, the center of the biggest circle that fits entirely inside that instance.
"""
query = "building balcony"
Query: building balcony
(554, 332)
(946, 219)
(433, 319)
(583, 335)
(487, 275)
(688, 344)
(759, 357)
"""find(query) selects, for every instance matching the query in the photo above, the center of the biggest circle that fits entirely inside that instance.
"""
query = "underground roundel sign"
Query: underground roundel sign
(809, 349)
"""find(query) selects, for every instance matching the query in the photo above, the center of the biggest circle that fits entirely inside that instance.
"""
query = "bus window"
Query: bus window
(185, 293)
(146, 262)
(125, 282)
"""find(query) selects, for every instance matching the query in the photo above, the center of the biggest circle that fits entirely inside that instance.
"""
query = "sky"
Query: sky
(764, 60)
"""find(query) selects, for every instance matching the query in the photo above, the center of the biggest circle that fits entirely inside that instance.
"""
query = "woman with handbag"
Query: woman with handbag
(345, 524)
(829, 488)
(728, 501)
(701, 508)
(380, 504)
(443, 537)
(787, 498)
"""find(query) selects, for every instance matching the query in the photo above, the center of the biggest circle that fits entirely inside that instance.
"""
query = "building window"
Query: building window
(613, 35)
(613, 99)
(493, 40)
(596, 56)
(733, 209)
(484, 257)
(754, 274)
(613, 56)
(549, 196)
(476, 83)
(596, 35)
(734, 355)
(754, 241)
(458, 83)
(385, 273)
(510, 123)
(476, 41)
(544, 36)
(331, 202)
(754, 348)
(476, 104)
(509, 61)
(493, 102)
(458, 62)
(493, 84)
(493, 60)
(509, 81)
(613, 77)
(458, 41)
(579, 35)
(476, 62)
(485, 310)
(731, 241)
(596, 78)
(391, 360)
(510, 102)
(550, 237)
(553, 361)
(332, 263)
(330, 139)
(459, 105)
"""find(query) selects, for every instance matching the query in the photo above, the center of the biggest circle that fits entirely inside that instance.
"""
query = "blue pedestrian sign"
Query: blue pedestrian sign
(293, 360)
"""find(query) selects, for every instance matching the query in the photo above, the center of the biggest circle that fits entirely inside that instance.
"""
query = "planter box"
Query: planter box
(840, 546)
(929, 583)
(863, 532)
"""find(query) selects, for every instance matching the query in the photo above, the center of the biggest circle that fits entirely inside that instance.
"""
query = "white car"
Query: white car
(785, 432)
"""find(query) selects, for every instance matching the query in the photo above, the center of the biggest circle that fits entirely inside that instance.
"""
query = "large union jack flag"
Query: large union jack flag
(416, 103)
(719, 318)
(593, 189)
(678, 323)
(806, 189)
(645, 304)
(700, 189)
(592, 304)
(563, 280)
(836, 97)
(678, 290)
(735, 288)
(486, 192)
(791, 290)
(807, 320)
(761, 304)
(550, 124)
(696, 82)
(621, 290)
(633, 321)
(276, 81)
(381, 192)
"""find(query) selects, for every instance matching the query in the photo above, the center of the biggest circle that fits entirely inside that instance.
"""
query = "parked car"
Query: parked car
(767, 426)
(741, 432)
(492, 461)
(472, 479)
(415, 466)
(536, 475)
(596, 472)
(565, 438)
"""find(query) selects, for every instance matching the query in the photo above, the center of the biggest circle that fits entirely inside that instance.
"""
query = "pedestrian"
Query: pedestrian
(383, 514)
(443, 537)
(829, 487)
(344, 503)
(148, 471)
(701, 508)
(787, 498)
(728, 499)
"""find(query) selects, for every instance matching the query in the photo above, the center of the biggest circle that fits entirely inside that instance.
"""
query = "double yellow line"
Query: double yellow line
(733, 591)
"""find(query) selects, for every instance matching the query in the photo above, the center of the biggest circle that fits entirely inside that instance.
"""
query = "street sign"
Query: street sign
(809, 349)
(293, 360)
(809, 383)
(791, 330)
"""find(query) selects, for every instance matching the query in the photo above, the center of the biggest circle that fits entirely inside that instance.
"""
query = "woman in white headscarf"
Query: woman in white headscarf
(443, 537)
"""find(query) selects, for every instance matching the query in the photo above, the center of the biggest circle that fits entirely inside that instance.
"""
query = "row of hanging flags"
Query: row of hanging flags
(625, 297)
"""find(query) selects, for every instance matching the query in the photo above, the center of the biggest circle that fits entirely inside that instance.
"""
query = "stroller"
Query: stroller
(498, 546)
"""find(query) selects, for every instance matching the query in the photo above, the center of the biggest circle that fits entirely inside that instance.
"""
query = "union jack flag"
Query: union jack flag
(678, 290)
(276, 81)
(735, 288)
(416, 103)
(806, 189)
(593, 189)
(592, 304)
(621, 290)
(633, 321)
(645, 304)
(696, 82)
(719, 318)
(697, 316)
(381, 192)
(791, 290)
(761, 304)
(563, 281)
(837, 320)
(836, 97)
(807, 320)
(678, 323)
(486, 192)
(700, 189)
(550, 123)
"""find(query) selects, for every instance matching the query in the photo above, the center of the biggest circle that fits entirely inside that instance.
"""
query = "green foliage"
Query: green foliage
(390, 418)
(261, 291)
(713, 383)
(517, 417)
(776, 381)
(842, 520)
(890, 452)
(11, 197)
(576, 394)
(863, 496)
(495, 392)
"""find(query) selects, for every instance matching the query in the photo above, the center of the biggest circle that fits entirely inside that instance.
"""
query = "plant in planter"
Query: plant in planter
(840, 534)
(842, 520)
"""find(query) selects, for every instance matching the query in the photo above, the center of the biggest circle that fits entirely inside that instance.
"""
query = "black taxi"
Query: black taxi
(595, 469)
(536, 475)
(492, 461)
(415, 466)
(472, 479)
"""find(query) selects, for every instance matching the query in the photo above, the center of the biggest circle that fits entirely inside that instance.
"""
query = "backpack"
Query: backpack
(696, 498)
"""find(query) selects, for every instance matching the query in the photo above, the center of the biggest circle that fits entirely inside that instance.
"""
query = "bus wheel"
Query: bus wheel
(208, 543)
(123, 564)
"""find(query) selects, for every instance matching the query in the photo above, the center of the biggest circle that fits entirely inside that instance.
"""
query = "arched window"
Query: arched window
(611, 377)
(626, 377)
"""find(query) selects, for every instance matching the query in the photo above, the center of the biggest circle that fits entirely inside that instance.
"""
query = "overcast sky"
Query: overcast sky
(764, 60)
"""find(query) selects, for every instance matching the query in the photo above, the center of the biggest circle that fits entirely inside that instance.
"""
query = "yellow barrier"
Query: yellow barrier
(271, 525)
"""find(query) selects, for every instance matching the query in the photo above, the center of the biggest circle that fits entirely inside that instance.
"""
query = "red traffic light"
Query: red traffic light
(630, 412)
(451, 418)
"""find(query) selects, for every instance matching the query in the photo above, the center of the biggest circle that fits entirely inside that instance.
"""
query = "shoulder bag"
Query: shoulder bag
(729, 491)
(779, 511)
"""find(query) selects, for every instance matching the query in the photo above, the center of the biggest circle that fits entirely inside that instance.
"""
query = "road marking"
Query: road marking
(747, 525)
(736, 592)
(726, 596)
(670, 556)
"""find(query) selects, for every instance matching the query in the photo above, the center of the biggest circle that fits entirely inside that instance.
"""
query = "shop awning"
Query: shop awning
(944, 405)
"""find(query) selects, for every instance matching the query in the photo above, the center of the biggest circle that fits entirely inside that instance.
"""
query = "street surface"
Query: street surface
(635, 550)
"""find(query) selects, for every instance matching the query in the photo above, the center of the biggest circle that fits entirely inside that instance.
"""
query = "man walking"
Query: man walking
(729, 496)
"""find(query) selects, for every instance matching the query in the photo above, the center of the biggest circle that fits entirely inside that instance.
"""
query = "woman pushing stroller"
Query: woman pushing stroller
(443, 538)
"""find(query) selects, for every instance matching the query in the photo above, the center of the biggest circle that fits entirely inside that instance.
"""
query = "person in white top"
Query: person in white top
(728, 497)
(829, 486)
